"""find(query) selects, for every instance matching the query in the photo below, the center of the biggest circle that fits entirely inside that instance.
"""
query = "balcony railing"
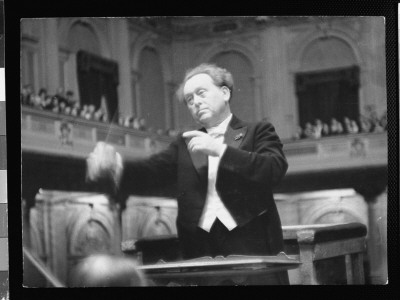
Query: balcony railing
(55, 134)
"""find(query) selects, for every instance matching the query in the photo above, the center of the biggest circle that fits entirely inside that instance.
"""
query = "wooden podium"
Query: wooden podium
(320, 254)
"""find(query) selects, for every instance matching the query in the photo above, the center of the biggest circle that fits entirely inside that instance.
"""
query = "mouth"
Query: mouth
(201, 111)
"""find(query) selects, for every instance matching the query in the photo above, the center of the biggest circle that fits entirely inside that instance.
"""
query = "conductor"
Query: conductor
(224, 175)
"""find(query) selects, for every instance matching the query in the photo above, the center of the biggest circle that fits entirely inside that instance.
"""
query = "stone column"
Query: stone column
(120, 32)
(375, 195)
(135, 77)
(49, 57)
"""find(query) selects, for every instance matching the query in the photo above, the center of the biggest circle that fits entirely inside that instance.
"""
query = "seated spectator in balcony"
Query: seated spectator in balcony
(42, 94)
(142, 124)
(35, 101)
(325, 130)
(60, 95)
(351, 126)
(317, 134)
(89, 115)
(55, 106)
(47, 103)
(365, 124)
(354, 127)
(67, 110)
(76, 109)
(62, 106)
(26, 93)
(347, 125)
(136, 124)
(84, 111)
(308, 130)
(98, 114)
(128, 122)
(69, 96)
(336, 127)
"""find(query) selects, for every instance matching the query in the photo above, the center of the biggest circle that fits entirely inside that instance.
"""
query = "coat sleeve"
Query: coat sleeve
(148, 176)
(264, 165)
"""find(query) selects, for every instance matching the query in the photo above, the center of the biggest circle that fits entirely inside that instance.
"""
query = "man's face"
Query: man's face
(208, 103)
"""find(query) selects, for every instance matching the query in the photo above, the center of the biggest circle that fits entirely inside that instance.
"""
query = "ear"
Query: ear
(226, 92)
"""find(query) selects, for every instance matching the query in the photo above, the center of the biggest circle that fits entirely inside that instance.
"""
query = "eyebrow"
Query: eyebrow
(195, 91)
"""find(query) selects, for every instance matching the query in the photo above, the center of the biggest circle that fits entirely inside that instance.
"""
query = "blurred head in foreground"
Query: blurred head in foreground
(105, 271)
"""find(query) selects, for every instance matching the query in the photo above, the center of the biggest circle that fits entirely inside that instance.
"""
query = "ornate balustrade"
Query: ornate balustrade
(41, 132)
(56, 134)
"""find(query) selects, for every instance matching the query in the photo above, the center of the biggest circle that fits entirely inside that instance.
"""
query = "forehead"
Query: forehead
(197, 81)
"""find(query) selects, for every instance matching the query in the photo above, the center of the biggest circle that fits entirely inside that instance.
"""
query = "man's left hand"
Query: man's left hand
(201, 142)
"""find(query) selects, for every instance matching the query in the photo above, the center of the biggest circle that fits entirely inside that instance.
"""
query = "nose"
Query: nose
(196, 100)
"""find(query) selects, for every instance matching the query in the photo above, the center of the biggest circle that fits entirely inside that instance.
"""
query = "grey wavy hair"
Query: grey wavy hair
(220, 76)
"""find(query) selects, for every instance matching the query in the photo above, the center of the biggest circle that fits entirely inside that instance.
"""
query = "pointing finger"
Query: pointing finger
(191, 134)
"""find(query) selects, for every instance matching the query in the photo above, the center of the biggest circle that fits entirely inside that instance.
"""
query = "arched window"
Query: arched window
(242, 103)
(328, 84)
(151, 89)
(82, 37)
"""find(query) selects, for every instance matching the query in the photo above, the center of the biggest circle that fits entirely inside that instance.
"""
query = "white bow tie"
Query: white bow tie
(215, 133)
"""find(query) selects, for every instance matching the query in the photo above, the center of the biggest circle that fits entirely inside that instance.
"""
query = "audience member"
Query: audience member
(76, 110)
(84, 111)
(67, 110)
(136, 124)
(354, 127)
(42, 94)
(55, 107)
(325, 130)
(336, 127)
(365, 124)
(142, 124)
(47, 103)
(317, 130)
(308, 130)
(128, 122)
(60, 96)
(70, 98)
(98, 114)
(26, 93)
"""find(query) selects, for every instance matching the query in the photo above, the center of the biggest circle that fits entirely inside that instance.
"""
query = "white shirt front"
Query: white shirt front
(214, 207)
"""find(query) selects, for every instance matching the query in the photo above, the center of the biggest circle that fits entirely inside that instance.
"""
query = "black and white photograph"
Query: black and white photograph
(204, 151)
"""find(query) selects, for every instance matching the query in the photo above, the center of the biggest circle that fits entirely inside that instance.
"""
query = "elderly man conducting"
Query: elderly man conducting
(224, 174)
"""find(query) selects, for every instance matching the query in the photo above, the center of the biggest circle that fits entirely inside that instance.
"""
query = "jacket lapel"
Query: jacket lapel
(235, 133)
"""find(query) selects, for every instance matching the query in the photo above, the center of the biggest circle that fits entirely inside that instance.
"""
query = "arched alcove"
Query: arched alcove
(242, 102)
(81, 36)
(151, 87)
(327, 53)
(327, 84)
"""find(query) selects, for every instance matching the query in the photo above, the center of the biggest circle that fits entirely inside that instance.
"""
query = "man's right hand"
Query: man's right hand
(104, 162)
